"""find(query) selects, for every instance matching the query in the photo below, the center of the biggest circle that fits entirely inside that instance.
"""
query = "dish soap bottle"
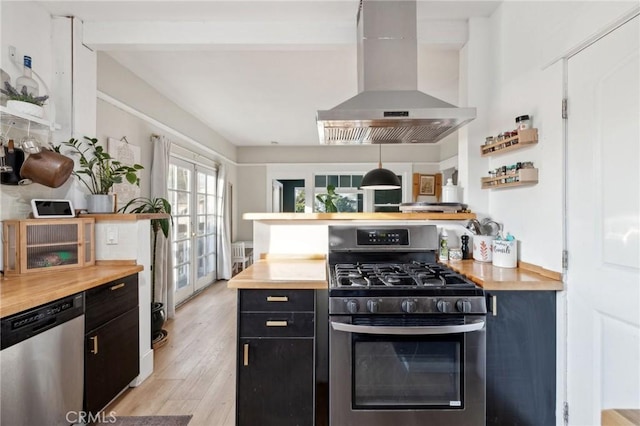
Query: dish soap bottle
(444, 246)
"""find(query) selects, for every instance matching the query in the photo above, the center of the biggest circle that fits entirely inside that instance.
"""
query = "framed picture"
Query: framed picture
(129, 155)
(427, 185)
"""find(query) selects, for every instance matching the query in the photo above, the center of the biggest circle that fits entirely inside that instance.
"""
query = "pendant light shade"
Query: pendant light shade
(380, 178)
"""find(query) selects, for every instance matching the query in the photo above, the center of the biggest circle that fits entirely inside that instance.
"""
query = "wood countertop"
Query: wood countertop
(125, 217)
(525, 277)
(281, 273)
(620, 417)
(358, 216)
(25, 292)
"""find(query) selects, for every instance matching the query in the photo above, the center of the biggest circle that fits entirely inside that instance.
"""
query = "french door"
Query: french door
(192, 194)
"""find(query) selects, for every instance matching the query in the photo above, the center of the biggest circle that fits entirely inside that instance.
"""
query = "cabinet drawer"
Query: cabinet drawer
(276, 300)
(284, 324)
(106, 302)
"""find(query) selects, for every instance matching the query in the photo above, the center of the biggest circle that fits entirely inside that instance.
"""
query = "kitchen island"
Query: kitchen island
(282, 342)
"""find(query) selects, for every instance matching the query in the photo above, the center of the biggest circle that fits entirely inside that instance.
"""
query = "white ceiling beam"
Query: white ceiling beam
(165, 35)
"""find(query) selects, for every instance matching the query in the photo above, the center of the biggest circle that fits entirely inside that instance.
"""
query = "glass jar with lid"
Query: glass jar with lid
(523, 122)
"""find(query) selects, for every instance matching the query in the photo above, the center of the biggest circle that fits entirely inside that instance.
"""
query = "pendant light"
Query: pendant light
(380, 178)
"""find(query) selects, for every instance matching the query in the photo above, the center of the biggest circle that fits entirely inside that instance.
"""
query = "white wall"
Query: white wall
(121, 84)
(27, 27)
(523, 81)
(251, 196)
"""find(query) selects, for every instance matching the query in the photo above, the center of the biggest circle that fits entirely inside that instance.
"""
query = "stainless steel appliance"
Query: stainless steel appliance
(406, 336)
(42, 364)
(388, 107)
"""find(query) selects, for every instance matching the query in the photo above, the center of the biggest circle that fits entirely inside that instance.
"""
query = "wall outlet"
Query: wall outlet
(112, 235)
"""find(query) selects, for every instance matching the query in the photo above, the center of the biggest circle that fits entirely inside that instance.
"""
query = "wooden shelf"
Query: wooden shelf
(526, 137)
(23, 121)
(524, 177)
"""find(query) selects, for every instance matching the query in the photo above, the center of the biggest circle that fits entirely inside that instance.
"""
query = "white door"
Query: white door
(192, 194)
(603, 225)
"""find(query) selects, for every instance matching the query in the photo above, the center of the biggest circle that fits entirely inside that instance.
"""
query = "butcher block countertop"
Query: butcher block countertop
(358, 216)
(283, 273)
(525, 277)
(24, 292)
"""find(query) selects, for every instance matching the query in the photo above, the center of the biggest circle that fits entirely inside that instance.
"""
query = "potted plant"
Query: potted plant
(99, 172)
(23, 101)
(153, 205)
(328, 200)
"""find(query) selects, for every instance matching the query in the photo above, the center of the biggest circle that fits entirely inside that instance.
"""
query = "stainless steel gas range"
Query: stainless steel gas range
(406, 336)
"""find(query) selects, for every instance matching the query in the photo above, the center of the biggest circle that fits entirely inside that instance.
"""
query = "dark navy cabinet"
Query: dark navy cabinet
(521, 358)
(276, 358)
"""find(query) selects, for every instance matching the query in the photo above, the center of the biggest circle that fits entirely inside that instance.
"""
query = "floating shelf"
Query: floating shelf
(524, 138)
(522, 177)
(22, 121)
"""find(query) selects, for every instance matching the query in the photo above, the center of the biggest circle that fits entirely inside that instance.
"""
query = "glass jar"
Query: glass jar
(523, 122)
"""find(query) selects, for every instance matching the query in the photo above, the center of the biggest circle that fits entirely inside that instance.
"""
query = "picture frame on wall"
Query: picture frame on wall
(427, 185)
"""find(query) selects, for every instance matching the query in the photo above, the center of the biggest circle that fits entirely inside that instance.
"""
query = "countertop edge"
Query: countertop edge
(534, 281)
(28, 292)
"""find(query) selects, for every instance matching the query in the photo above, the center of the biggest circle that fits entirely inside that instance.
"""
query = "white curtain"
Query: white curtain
(164, 286)
(224, 228)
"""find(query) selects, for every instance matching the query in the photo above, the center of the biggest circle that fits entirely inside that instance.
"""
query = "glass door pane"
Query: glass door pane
(206, 182)
(180, 197)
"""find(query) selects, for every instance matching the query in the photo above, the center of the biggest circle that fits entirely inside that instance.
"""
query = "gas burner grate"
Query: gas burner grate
(414, 274)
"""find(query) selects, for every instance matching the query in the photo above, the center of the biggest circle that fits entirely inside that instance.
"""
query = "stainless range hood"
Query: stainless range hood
(389, 108)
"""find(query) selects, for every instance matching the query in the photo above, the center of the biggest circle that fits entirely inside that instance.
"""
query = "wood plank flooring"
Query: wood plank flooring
(194, 372)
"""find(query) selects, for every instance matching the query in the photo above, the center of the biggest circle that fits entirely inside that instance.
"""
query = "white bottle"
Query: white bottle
(450, 192)
(26, 81)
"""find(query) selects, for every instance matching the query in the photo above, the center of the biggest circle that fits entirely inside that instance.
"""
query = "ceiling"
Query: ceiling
(256, 72)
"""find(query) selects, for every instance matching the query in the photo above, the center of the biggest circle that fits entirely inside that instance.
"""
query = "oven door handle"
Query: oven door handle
(436, 329)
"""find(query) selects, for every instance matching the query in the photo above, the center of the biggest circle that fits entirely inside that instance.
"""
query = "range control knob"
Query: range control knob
(463, 305)
(409, 306)
(443, 306)
(352, 306)
(372, 306)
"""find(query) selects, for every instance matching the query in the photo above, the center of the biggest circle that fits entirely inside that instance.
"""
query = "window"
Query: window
(350, 198)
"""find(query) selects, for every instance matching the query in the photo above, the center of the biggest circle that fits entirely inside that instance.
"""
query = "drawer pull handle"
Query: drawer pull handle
(245, 354)
(277, 299)
(94, 350)
(117, 286)
(494, 305)
(277, 323)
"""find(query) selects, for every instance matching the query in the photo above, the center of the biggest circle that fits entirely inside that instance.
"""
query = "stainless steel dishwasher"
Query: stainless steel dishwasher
(42, 364)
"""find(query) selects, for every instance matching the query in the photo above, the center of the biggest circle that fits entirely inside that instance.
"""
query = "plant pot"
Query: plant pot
(26, 108)
(157, 318)
(100, 203)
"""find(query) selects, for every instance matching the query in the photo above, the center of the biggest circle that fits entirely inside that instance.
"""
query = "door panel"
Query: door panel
(192, 194)
(603, 226)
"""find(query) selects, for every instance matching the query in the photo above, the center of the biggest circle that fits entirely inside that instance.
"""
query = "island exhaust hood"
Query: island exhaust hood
(388, 107)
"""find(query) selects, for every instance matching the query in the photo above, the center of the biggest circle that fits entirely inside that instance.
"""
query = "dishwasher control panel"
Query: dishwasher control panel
(24, 325)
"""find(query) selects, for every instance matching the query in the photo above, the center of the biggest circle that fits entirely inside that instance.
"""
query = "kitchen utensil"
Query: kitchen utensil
(474, 226)
(3, 166)
(490, 227)
(14, 157)
(47, 168)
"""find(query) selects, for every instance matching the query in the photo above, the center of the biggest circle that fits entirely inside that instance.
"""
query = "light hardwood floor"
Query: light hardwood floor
(194, 372)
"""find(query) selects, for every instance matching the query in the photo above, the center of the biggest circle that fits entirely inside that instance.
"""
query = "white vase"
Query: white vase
(100, 203)
(26, 108)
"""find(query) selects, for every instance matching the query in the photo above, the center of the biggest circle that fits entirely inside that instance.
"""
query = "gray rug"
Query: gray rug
(151, 421)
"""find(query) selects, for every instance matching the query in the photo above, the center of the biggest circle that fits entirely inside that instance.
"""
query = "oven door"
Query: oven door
(407, 370)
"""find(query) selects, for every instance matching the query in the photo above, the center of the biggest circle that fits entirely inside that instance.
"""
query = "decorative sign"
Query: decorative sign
(127, 154)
